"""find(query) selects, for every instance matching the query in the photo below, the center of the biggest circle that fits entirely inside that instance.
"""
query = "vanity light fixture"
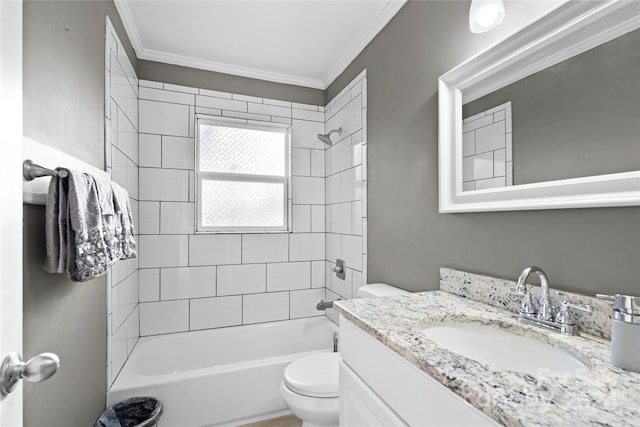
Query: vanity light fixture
(485, 15)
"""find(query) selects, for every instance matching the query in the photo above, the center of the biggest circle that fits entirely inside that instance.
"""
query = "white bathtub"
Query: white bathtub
(220, 376)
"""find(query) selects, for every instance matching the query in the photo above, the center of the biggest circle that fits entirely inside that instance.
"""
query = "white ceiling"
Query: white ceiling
(302, 42)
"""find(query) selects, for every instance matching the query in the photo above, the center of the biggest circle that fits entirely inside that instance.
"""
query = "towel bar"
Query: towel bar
(30, 171)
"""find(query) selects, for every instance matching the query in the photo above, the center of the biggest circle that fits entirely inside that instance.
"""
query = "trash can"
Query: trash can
(134, 412)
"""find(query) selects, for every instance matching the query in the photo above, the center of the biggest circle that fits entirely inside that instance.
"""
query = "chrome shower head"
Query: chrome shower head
(326, 138)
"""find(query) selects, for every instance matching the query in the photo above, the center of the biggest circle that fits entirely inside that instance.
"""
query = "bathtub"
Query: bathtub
(225, 376)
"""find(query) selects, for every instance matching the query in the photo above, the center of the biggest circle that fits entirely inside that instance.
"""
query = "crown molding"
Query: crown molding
(186, 61)
(381, 20)
(391, 8)
(129, 25)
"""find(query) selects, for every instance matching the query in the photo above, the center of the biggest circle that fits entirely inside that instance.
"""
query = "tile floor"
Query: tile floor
(284, 421)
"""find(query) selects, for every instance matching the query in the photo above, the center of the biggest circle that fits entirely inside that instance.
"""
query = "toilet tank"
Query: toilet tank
(379, 290)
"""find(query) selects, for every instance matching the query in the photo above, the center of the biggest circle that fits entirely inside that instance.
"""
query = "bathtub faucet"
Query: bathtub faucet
(322, 305)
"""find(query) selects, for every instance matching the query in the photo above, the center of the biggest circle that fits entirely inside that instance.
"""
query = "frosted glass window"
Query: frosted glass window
(234, 150)
(242, 204)
(242, 178)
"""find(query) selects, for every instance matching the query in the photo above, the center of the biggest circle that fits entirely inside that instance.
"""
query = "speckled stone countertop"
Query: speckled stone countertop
(496, 292)
(604, 396)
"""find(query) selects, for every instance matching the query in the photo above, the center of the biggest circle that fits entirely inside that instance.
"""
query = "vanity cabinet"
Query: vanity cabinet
(360, 406)
(378, 387)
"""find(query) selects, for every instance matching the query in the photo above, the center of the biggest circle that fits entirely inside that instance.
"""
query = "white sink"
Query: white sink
(500, 349)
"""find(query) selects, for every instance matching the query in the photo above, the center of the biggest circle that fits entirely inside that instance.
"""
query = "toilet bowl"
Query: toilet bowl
(310, 389)
(310, 384)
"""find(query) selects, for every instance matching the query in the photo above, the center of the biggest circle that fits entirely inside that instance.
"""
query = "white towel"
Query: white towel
(84, 230)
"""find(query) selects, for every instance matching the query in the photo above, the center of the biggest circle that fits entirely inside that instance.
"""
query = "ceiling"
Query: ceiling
(301, 42)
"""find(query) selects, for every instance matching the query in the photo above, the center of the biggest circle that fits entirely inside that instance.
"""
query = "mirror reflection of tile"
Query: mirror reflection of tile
(486, 149)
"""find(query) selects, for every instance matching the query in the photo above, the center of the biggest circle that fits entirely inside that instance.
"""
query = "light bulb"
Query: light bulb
(485, 15)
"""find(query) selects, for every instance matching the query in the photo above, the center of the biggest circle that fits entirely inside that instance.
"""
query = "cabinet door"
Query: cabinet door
(360, 406)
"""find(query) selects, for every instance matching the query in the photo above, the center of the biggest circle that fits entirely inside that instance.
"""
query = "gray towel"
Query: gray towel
(83, 226)
(124, 222)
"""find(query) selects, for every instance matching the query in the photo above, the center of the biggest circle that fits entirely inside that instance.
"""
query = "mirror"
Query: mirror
(547, 118)
(573, 119)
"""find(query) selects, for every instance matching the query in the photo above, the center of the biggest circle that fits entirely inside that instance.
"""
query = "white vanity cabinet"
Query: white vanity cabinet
(360, 406)
(378, 387)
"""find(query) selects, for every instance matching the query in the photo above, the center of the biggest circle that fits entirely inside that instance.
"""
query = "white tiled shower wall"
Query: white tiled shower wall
(346, 190)
(487, 156)
(182, 281)
(121, 158)
(194, 281)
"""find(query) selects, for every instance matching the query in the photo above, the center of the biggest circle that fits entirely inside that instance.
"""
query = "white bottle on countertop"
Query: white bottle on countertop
(625, 331)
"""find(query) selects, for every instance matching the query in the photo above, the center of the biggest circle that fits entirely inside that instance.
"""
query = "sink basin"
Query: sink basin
(500, 349)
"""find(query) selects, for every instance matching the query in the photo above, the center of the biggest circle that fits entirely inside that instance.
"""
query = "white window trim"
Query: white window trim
(285, 180)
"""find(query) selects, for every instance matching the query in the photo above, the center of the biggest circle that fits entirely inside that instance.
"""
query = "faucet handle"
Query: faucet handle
(526, 301)
(563, 316)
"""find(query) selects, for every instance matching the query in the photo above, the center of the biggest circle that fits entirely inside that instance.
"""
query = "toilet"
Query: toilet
(310, 384)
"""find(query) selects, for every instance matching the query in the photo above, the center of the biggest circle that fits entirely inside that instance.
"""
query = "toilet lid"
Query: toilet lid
(314, 376)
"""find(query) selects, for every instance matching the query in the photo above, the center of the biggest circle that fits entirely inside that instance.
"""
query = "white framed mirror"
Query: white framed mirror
(547, 118)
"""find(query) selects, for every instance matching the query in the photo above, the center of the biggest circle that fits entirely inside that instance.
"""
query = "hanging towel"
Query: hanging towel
(83, 226)
(125, 232)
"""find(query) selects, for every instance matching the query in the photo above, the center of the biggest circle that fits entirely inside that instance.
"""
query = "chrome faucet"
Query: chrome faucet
(545, 310)
(544, 315)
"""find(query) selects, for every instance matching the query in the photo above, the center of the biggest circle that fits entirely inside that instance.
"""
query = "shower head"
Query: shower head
(326, 138)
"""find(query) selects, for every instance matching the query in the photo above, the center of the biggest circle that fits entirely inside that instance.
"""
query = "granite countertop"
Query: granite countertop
(604, 396)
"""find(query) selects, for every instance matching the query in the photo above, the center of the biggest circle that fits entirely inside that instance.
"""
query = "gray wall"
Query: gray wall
(175, 74)
(577, 118)
(64, 74)
(68, 319)
(583, 250)
(64, 108)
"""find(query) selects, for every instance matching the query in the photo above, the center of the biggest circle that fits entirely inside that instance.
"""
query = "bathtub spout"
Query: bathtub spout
(322, 305)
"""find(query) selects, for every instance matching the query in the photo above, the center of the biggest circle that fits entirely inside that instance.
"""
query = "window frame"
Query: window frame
(200, 176)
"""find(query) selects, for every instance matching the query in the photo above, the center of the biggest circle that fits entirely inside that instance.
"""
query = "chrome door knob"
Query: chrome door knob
(38, 368)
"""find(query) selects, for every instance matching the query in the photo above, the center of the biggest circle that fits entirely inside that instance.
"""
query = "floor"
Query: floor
(284, 421)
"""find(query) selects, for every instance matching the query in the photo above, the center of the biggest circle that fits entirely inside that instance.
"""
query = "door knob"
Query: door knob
(38, 368)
